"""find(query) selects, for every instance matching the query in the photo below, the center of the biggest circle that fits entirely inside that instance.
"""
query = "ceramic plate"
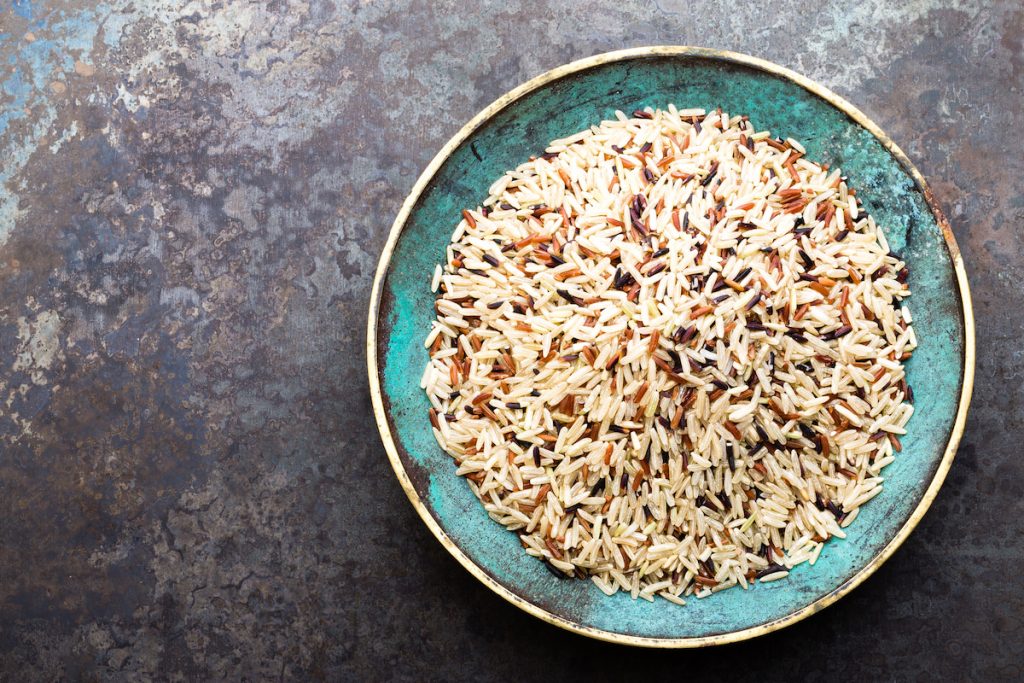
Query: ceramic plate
(569, 99)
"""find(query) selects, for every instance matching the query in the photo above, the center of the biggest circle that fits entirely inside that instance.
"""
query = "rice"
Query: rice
(668, 354)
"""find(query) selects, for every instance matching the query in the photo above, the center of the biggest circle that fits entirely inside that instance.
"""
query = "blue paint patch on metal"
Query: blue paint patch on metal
(26, 92)
(113, 24)
(17, 90)
(23, 8)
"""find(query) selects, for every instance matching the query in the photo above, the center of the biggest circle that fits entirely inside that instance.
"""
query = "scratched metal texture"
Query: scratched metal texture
(193, 199)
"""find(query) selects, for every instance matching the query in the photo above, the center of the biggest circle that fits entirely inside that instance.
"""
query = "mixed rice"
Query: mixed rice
(668, 354)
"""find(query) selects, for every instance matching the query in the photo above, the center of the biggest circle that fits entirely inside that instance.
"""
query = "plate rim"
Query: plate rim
(384, 262)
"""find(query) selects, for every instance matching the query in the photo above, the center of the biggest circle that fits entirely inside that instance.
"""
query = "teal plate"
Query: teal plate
(572, 98)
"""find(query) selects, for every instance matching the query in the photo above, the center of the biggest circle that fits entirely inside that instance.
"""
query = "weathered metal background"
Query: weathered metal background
(194, 196)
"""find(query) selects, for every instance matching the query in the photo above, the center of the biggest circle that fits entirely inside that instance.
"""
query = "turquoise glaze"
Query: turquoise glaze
(570, 104)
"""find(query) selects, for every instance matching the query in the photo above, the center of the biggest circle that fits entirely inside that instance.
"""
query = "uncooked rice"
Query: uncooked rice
(668, 354)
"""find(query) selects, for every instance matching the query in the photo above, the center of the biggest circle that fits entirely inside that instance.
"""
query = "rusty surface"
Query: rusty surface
(194, 196)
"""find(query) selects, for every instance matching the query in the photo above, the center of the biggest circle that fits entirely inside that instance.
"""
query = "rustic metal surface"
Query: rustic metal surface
(191, 486)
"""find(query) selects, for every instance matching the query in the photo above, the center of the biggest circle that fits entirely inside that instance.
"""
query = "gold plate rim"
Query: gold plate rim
(581, 65)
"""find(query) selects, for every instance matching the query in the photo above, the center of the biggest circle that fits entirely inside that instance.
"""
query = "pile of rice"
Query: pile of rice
(668, 354)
